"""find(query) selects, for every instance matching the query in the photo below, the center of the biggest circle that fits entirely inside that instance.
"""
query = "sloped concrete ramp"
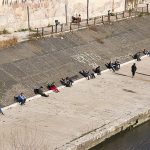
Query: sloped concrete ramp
(33, 63)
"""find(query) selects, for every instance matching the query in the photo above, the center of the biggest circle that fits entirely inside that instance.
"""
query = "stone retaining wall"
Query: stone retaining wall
(97, 136)
(14, 14)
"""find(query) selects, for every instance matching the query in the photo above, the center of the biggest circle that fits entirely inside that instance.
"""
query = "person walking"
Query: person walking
(133, 69)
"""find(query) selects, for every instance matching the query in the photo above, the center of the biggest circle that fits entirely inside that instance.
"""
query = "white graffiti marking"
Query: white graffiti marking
(87, 58)
(121, 58)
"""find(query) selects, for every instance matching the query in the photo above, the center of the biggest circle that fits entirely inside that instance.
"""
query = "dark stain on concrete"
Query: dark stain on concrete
(130, 91)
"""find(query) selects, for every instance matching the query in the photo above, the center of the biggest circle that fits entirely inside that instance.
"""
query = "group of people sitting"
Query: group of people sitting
(87, 74)
(66, 82)
(137, 55)
(76, 19)
(114, 66)
(21, 99)
(51, 86)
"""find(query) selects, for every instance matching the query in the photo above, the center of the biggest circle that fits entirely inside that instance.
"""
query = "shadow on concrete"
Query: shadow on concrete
(123, 75)
(143, 74)
(127, 90)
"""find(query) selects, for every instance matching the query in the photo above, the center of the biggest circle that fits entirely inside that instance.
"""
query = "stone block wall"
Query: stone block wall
(14, 16)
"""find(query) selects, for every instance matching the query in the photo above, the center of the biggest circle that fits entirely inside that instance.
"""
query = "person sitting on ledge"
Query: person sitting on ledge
(85, 74)
(110, 65)
(91, 74)
(20, 98)
(67, 82)
(98, 70)
(146, 52)
(40, 91)
(64, 82)
(52, 86)
(137, 56)
(117, 64)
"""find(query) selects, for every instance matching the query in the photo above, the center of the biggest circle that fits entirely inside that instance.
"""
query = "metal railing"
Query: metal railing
(104, 19)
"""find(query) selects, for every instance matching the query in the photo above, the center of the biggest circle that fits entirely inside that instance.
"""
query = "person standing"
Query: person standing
(133, 69)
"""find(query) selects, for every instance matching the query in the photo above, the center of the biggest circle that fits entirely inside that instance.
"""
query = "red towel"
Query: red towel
(54, 88)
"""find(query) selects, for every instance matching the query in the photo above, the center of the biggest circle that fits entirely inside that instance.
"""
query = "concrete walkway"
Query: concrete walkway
(104, 102)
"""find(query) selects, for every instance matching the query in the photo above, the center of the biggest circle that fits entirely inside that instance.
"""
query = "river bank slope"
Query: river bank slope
(34, 63)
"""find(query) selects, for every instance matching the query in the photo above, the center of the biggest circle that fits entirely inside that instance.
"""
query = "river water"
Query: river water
(135, 139)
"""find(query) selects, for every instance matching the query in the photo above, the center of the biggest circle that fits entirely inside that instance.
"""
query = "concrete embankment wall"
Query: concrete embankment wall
(99, 135)
(14, 14)
(30, 64)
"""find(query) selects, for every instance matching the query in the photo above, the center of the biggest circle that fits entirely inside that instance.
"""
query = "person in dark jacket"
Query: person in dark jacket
(86, 74)
(40, 91)
(67, 81)
(146, 52)
(98, 70)
(110, 65)
(137, 56)
(133, 69)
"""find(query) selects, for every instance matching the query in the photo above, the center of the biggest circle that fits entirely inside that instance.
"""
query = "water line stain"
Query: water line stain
(134, 139)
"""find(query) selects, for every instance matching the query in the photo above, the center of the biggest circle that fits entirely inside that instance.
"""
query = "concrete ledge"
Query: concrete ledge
(61, 87)
(97, 136)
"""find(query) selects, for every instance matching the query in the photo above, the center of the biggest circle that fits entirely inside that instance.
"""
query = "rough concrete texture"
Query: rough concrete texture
(88, 112)
(30, 64)
(14, 16)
